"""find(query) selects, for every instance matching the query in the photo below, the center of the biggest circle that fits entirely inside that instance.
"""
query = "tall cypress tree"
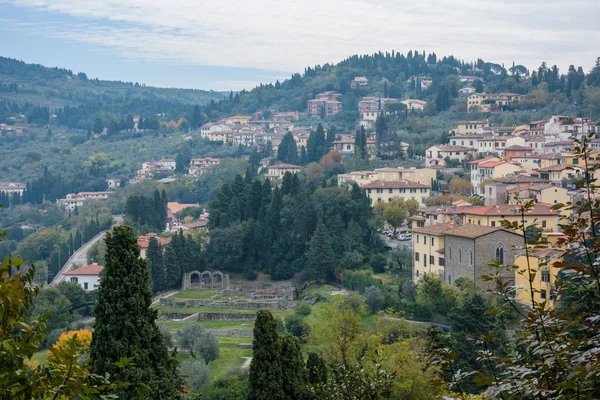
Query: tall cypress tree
(265, 370)
(320, 256)
(157, 269)
(126, 325)
(293, 371)
(317, 372)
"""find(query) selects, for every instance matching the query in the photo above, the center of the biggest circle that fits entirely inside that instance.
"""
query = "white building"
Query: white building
(88, 277)
(72, 200)
(414, 104)
(13, 187)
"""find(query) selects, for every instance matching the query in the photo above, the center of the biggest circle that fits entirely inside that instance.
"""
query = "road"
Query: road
(79, 258)
(393, 243)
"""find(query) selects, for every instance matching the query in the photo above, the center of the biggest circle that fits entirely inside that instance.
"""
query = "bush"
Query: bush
(297, 327)
(378, 263)
(196, 373)
(359, 280)
(199, 342)
(303, 309)
(250, 274)
(374, 298)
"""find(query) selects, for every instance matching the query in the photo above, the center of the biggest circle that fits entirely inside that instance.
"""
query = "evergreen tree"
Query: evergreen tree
(381, 130)
(320, 256)
(303, 158)
(317, 372)
(172, 268)
(265, 370)
(331, 135)
(293, 371)
(126, 325)
(155, 261)
(287, 150)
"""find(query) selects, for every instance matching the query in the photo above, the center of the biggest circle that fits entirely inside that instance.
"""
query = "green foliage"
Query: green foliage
(358, 281)
(200, 342)
(293, 373)
(196, 373)
(374, 298)
(134, 333)
(265, 370)
(320, 257)
(317, 371)
(433, 293)
(287, 151)
(57, 308)
(146, 214)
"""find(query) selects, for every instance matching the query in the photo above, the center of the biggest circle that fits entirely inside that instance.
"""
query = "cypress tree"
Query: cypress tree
(126, 325)
(320, 256)
(293, 371)
(157, 270)
(317, 373)
(172, 267)
(265, 370)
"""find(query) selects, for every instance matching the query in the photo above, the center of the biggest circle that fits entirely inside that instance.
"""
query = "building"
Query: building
(143, 243)
(516, 151)
(487, 102)
(386, 191)
(276, 172)
(88, 277)
(359, 82)
(326, 104)
(539, 193)
(345, 146)
(466, 91)
(428, 250)
(466, 140)
(72, 200)
(469, 127)
(374, 104)
(496, 191)
(174, 207)
(13, 187)
(207, 129)
(533, 162)
(541, 265)
(489, 169)
(414, 104)
(469, 250)
(358, 177)
(199, 165)
(561, 174)
(492, 215)
(558, 147)
(113, 184)
(419, 175)
(436, 156)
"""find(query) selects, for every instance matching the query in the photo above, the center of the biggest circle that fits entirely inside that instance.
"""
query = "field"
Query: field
(195, 294)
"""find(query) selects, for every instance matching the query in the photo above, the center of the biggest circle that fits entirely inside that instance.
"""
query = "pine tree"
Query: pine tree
(265, 370)
(126, 325)
(157, 269)
(320, 256)
(293, 370)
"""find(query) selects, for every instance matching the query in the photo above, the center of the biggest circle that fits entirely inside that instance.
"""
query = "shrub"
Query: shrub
(196, 373)
(199, 342)
(295, 326)
(303, 309)
(374, 298)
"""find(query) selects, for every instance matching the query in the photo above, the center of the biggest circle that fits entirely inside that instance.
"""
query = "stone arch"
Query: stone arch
(206, 279)
(195, 278)
(218, 280)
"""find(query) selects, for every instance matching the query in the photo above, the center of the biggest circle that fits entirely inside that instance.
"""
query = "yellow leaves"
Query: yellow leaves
(83, 338)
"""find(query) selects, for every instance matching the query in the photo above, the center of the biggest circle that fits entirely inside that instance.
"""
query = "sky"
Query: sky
(236, 44)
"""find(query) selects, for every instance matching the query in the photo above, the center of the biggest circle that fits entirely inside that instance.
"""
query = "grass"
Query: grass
(191, 310)
(174, 325)
(230, 355)
(40, 356)
(195, 294)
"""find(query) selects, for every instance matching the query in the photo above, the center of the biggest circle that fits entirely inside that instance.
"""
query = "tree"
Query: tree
(154, 256)
(381, 130)
(395, 214)
(374, 298)
(124, 292)
(320, 256)
(195, 372)
(265, 370)
(293, 372)
(98, 126)
(200, 342)
(460, 186)
(317, 371)
(53, 303)
(287, 150)
(442, 98)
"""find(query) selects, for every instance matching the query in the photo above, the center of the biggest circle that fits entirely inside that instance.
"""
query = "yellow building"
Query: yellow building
(541, 264)
(539, 193)
(534, 162)
(577, 159)
(545, 217)
(489, 168)
(385, 191)
(419, 175)
(559, 173)
(278, 171)
(469, 127)
(475, 100)
(217, 137)
(428, 250)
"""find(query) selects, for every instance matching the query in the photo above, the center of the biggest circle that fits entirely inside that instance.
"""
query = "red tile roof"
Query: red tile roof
(175, 207)
(285, 166)
(486, 159)
(92, 269)
(436, 229)
(144, 241)
(510, 209)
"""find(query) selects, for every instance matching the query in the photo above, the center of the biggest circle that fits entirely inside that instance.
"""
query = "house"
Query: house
(516, 151)
(440, 214)
(345, 146)
(540, 264)
(113, 184)
(466, 91)
(469, 249)
(470, 79)
(374, 103)
(13, 187)
(560, 174)
(368, 119)
(174, 207)
(428, 250)
(358, 177)
(326, 104)
(237, 120)
(468, 127)
(533, 162)
(414, 104)
(143, 243)
(558, 147)
(199, 165)
(538, 192)
(72, 200)
(276, 172)
(207, 129)
(436, 156)
(386, 191)
(466, 140)
(487, 102)
(564, 127)
(535, 143)
(359, 81)
(88, 277)
(496, 191)
(489, 169)
(492, 215)
(419, 175)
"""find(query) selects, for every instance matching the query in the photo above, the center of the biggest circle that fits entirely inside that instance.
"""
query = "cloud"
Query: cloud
(289, 35)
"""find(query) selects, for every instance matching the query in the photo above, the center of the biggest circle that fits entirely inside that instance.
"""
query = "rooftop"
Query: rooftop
(474, 231)
(285, 166)
(510, 209)
(404, 184)
(175, 207)
(436, 229)
(91, 269)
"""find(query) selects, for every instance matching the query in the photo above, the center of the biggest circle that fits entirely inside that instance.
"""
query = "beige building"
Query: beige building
(539, 193)
(489, 168)
(278, 171)
(385, 191)
(559, 173)
(419, 175)
(492, 215)
(435, 156)
(534, 162)
(469, 127)
(428, 250)
(414, 104)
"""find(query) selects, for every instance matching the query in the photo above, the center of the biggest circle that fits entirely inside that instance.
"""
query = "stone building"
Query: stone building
(469, 249)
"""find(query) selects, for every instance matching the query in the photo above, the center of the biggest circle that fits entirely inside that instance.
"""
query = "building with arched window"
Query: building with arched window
(471, 248)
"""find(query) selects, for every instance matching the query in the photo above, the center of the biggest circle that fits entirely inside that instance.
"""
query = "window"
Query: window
(85, 285)
(369, 190)
(440, 261)
(417, 238)
(459, 254)
(545, 276)
(544, 221)
(470, 256)
(424, 239)
(74, 280)
(552, 294)
(500, 254)
(390, 190)
(432, 242)
(449, 279)
(450, 253)
(543, 294)
(417, 272)
(416, 256)
(431, 260)
(424, 260)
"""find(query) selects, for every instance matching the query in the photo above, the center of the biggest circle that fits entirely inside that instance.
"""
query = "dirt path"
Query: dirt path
(246, 363)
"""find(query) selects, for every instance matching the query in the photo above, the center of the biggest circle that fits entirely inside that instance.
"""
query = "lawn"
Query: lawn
(191, 310)
(194, 294)
(174, 325)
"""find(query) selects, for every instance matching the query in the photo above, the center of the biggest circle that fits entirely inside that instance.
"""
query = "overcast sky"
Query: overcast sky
(235, 44)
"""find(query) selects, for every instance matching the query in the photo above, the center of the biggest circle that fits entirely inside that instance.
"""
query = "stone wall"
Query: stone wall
(239, 304)
(232, 332)
(226, 317)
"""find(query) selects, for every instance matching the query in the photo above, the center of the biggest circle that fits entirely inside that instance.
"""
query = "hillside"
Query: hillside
(56, 87)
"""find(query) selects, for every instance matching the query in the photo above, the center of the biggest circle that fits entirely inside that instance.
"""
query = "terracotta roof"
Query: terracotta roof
(486, 159)
(436, 229)
(492, 164)
(285, 166)
(144, 241)
(510, 209)
(474, 231)
(404, 184)
(92, 269)
(517, 147)
(175, 207)
(447, 147)
(520, 179)
(559, 167)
